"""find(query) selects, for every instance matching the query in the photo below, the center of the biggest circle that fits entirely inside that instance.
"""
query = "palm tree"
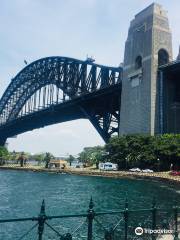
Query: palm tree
(47, 159)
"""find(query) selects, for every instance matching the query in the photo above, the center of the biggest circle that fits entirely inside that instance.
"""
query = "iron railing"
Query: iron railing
(154, 220)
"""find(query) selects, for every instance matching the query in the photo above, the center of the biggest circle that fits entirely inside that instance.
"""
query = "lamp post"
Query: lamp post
(158, 162)
(126, 162)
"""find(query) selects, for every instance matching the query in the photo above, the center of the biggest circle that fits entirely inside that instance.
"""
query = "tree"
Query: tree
(168, 150)
(92, 155)
(157, 152)
(145, 151)
(96, 156)
(70, 159)
(47, 159)
(85, 156)
(13, 156)
(39, 157)
(3, 155)
(118, 151)
(21, 159)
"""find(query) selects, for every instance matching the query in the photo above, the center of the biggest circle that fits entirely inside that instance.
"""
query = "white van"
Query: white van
(108, 166)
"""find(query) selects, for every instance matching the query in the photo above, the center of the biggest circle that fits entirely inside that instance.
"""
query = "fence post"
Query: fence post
(126, 220)
(154, 211)
(41, 221)
(176, 223)
(90, 218)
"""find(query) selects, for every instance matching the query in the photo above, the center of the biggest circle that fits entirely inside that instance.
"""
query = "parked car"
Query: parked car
(135, 170)
(108, 166)
(147, 171)
(175, 173)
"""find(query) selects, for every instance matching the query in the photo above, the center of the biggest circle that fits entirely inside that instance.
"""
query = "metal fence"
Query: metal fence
(125, 224)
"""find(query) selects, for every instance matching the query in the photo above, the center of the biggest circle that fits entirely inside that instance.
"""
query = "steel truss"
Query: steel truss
(52, 81)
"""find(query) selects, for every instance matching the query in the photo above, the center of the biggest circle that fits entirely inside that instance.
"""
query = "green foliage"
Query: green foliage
(70, 159)
(42, 158)
(3, 155)
(168, 150)
(3, 151)
(118, 151)
(47, 159)
(39, 157)
(15, 156)
(145, 151)
(92, 155)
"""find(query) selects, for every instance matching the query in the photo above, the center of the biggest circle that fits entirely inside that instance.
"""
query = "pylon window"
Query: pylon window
(163, 57)
(138, 62)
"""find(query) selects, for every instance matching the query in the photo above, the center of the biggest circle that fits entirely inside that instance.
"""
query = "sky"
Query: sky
(33, 29)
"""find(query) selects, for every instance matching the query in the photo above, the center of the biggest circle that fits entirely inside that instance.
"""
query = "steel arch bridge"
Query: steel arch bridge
(58, 89)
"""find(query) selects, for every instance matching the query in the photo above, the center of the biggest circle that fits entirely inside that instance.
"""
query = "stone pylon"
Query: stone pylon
(149, 44)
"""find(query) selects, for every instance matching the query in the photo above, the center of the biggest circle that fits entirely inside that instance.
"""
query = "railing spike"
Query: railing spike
(91, 204)
(43, 207)
(90, 218)
(41, 221)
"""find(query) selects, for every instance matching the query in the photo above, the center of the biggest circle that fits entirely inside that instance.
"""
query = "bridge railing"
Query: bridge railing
(126, 224)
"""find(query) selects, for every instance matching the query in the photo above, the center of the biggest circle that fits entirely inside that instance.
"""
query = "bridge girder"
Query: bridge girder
(37, 87)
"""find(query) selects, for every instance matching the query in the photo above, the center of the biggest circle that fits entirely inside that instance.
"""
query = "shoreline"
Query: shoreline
(158, 176)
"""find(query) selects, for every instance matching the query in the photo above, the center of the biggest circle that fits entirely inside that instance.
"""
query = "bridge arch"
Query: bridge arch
(75, 78)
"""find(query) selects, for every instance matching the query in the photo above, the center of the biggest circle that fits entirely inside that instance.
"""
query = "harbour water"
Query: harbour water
(22, 193)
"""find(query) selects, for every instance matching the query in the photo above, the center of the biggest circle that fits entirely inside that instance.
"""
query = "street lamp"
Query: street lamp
(126, 162)
(158, 161)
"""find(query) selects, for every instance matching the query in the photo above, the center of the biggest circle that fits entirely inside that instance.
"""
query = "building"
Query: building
(58, 163)
(150, 100)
